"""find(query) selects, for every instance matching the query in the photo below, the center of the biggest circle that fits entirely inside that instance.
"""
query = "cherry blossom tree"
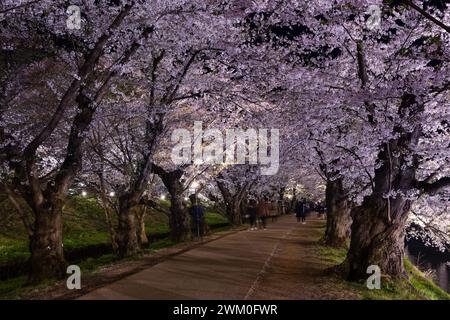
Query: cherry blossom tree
(358, 89)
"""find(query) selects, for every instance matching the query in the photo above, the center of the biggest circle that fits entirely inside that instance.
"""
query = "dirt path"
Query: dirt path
(278, 263)
(296, 271)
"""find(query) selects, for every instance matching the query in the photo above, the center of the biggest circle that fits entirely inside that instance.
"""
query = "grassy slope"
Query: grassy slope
(84, 225)
(417, 288)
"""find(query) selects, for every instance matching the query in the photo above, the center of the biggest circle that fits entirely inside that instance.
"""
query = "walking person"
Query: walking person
(263, 212)
(273, 209)
(198, 216)
(300, 211)
(251, 212)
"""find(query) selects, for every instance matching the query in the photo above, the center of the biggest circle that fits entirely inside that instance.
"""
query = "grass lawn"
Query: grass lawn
(417, 287)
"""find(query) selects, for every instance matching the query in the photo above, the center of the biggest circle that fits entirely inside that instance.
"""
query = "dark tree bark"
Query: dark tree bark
(232, 202)
(375, 240)
(47, 256)
(127, 238)
(179, 218)
(142, 235)
(106, 207)
(204, 228)
(338, 214)
(126, 235)
(233, 212)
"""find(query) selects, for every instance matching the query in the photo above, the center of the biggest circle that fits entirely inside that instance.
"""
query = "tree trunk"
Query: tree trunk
(142, 235)
(179, 219)
(106, 207)
(127, 240)
(111, 229)
(234, 213)
(46, 246)
(232, 203)
(375, 240)
(338, 214)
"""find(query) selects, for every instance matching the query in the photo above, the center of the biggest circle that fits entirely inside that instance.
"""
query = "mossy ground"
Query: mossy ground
(417, 287)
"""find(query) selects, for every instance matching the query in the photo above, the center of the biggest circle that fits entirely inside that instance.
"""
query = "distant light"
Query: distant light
(186, 198)
(112, 194)
(84, 193)
(163, 197)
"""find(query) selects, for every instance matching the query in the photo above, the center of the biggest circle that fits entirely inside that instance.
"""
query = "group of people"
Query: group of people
(259, 212)
(302, 208)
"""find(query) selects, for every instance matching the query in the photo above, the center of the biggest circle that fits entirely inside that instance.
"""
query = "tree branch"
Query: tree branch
(427, 15)
(435, 186)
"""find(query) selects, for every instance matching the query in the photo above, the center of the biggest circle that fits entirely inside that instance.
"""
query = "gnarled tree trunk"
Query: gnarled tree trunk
(46, 244)
(179, 218)
(338, 214)
(233, 212)
(142, 235)
(126, 236)
(233, 201)
(375, 240)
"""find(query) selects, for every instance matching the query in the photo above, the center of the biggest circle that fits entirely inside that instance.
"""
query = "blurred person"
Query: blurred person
(262, 212)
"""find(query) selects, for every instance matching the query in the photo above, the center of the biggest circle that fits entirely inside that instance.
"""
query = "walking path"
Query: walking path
(278, 263)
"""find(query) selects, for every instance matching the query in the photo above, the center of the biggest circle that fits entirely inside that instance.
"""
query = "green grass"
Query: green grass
(13, 250)
(92, 264)
(161, 244)
(14, 287)
(160, 228)
(84, 225)
(423, 285)
(417, 287)
(11, 286)
(333, 256)
(215, 218)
